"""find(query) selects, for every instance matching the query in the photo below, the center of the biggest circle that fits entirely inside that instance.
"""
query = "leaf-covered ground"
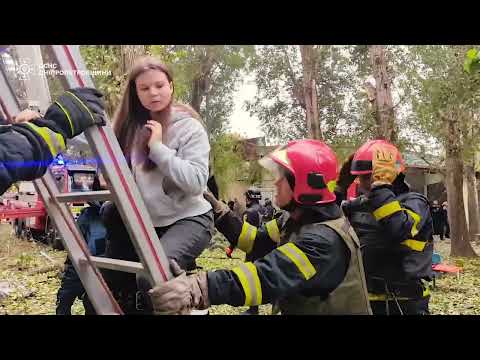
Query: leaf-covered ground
(28, 270)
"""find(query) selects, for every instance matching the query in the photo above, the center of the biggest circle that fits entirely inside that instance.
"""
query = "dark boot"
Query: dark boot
(252, 310)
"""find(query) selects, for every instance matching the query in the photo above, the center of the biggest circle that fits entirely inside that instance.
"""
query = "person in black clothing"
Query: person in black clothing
(438, 217)
(446, 222)
(253, 215)
(395, 229)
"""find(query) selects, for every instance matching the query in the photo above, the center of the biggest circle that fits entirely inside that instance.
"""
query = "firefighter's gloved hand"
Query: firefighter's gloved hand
(181, 294)
(345, 178)
(219, 208)
(76, 110)
(384, 171)
(26, 115)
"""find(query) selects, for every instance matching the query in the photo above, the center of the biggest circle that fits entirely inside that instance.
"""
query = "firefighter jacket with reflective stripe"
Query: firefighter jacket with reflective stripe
(25, 151)
(395, 232)
(313, 269)
(253, 215)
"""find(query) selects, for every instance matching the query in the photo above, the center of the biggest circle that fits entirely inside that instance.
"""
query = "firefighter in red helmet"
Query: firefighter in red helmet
(315, 266)
(394, 226)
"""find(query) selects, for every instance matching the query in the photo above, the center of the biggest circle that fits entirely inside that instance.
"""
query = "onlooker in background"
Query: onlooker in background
(438, 218)
(446, 222)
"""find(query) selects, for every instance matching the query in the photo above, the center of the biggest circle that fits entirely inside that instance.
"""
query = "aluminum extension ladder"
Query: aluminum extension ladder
(122, 191)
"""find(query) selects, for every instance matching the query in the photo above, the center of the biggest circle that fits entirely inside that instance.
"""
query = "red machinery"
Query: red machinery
(27, 213)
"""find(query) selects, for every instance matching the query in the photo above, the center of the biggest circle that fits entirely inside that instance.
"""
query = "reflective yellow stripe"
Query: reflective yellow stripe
(248, 276)
(416, 220)
(273, 231)
(247, 237)
(67, 114)
(331, 185)
(415, 244)
(387, 210)
(299, 258)
(383, 297)
(393, 207)
(54, 140)
(82, 104)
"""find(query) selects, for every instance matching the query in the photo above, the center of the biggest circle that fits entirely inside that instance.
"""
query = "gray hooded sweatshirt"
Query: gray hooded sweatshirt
(173, 190)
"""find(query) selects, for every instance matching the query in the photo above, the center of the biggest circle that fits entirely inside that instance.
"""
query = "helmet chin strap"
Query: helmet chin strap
(290, 207)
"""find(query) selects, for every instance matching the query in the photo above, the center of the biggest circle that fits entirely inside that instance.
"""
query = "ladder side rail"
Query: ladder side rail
(92, 280)
(114, 166)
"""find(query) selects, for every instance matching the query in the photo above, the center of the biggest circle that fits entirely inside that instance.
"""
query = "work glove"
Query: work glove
(384, 171)
(26, 115)
(345, 178)
(181, 294)
(76, 110)
(219, 208)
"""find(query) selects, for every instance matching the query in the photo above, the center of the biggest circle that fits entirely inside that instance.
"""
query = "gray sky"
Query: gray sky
(241, 122)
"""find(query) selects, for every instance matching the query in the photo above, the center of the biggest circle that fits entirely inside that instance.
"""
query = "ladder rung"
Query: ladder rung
(85, 196)
(115, 264)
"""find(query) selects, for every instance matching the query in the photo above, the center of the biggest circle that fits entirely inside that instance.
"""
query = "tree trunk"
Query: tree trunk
(384, 112)
(459, 233)
(197, 95)
(310, 92)
(201, 82)
(129, 54)
(473, 210)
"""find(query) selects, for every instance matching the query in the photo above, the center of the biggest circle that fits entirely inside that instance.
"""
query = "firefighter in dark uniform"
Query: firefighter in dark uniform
(395, 229)
(27, 148)
(253, 216)
(316, 265)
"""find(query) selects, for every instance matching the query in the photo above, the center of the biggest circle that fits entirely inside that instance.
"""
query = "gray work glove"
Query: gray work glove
(181, 294)
(219, 208)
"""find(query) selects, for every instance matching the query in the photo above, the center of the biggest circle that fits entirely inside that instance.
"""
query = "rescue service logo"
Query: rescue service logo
(25, 69)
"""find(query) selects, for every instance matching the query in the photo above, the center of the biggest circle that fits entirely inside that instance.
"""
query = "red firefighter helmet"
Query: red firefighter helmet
(313, 165)
(362, 160)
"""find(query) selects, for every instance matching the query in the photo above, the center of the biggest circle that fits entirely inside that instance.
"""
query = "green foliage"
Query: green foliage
(472, 61)
(255, 173)
(106, 58)
(278, 105)
(227, 160)
(444, 91)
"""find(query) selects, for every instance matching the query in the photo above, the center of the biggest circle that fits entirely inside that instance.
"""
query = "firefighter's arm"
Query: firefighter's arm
(246, 237)
(25, 152)
(401, 221)
(317, 261)
(252, 217)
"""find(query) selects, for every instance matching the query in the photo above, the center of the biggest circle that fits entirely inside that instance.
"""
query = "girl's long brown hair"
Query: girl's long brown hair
(131, 116)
